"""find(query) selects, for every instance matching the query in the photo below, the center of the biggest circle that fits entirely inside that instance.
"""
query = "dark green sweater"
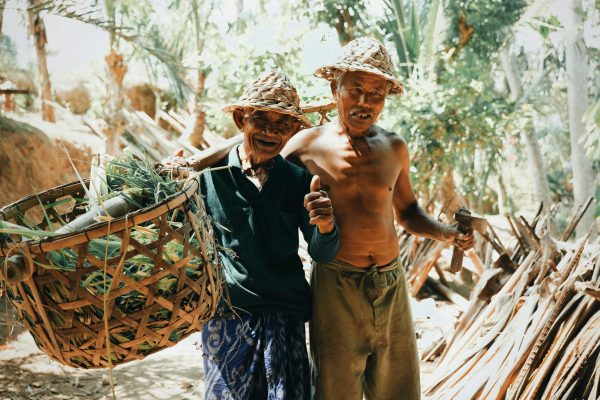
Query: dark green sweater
(261, 227)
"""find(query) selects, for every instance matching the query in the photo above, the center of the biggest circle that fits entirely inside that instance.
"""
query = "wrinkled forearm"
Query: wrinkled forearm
(417, 222)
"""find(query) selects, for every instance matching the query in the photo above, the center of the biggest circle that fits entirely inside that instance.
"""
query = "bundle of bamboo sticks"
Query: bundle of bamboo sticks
(529, 334)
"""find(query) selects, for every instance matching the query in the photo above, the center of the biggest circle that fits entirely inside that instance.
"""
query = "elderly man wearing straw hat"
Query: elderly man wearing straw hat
(257, 349)
(362, 337)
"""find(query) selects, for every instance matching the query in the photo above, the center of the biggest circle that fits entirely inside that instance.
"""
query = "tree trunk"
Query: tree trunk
(2, 4)
(504, 201)
(38, 31)
(197, 137)
(510, 71)
(536, 165)
(426, 56)
(576, 62)
(345, 27)
(535, 159)
(115, 120)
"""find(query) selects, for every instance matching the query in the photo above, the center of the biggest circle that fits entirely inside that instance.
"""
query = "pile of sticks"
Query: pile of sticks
(532, 327)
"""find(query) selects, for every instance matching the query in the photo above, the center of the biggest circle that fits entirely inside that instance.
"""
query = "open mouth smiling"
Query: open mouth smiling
(361, 116)
(266, 142)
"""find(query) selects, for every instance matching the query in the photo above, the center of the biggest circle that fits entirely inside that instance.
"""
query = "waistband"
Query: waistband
(340, 265)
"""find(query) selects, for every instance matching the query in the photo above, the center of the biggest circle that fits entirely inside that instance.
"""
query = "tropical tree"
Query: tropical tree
(115, 62)
(135, 36)
(37, 29)
(584, 183)
(197, 138)
(520, 96)
(191, 37)
(402, 24)
(457, 116)
(346, 16)
(2, 5)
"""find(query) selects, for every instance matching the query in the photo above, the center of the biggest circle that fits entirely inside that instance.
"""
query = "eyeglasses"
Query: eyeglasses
(283, 126)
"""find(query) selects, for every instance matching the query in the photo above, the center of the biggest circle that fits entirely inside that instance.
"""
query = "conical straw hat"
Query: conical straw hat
(366, 55)
(273, 91)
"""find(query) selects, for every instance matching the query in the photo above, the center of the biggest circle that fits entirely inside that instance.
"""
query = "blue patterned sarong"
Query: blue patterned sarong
(256, 357)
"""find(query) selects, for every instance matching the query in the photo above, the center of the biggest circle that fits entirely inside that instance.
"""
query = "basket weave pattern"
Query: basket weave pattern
(66, 318)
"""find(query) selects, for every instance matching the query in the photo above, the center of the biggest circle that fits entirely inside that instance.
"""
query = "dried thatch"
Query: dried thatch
(529, 334)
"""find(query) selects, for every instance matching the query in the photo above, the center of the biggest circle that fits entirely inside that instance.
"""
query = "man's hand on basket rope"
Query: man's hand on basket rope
(175, 164)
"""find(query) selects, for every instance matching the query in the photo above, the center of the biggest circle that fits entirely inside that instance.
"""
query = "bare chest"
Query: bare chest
(366, 163)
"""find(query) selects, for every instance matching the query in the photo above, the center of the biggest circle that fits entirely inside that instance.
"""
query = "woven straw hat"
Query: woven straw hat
(366, 55)
(273, 91)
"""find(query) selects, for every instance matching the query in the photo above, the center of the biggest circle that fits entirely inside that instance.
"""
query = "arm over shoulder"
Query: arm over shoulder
(299, 142)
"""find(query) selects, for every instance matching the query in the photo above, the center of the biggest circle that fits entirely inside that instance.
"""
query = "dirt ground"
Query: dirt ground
(176, 373)
(27, 373)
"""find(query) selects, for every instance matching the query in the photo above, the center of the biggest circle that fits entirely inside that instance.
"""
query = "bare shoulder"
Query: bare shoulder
(396, 141)
(301, 141)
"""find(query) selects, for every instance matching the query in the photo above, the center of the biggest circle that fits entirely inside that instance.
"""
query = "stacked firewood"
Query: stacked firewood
(532, 327)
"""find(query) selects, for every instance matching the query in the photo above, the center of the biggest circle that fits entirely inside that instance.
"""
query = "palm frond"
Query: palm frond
(406, 34)
(434, 34)
(87, 12)
(166, 58)
(169, 65)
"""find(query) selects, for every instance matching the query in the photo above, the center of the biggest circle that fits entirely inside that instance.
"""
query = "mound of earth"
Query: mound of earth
(31, 160)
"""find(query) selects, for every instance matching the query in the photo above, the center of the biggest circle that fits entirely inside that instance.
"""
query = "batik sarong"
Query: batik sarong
(257, 357)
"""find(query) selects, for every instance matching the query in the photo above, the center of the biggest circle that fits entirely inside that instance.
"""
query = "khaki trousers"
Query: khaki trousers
(361, 334)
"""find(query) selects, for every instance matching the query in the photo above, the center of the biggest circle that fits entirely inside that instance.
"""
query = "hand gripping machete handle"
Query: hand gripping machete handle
(463, 227)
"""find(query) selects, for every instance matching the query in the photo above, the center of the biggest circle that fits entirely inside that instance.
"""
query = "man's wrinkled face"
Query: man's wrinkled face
(360, 98)
(265, 132)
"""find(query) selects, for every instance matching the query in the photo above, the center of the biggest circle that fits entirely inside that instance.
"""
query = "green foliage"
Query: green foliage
(402, 25)
(489, 20)
(559, 181)
(547, 26)
(346, 16)
(457, 123)
(246, 64)
(453, 118)
(138, 180)
(8, 53)
(592, 134)
(455, 113)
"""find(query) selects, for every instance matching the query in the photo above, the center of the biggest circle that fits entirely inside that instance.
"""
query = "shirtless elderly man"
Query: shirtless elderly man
(362, 337)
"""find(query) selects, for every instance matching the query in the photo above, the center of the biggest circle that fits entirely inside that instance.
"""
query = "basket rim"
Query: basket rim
(99, 229)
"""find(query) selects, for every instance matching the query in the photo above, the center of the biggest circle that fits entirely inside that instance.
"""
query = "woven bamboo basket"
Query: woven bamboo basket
(69, 321)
